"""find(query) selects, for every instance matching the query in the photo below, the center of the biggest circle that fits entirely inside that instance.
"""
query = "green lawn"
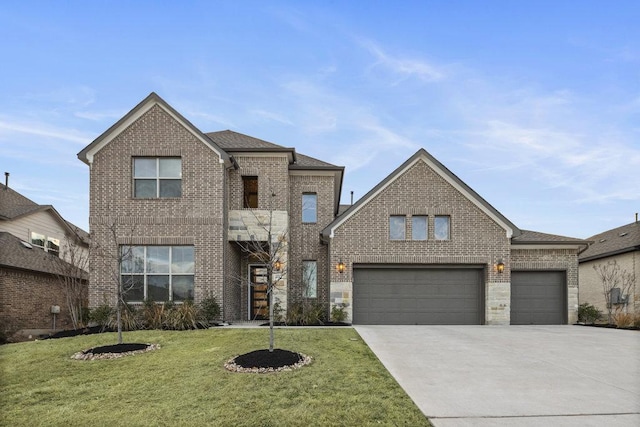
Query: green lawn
(184, 383)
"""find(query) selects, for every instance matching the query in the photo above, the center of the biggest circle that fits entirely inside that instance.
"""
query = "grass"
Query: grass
(185, 383)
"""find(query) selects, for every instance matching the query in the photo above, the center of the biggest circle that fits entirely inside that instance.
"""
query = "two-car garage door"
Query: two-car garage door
(417, 295)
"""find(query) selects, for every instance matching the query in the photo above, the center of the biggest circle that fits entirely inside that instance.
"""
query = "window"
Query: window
(396, 227)
(419, 227)
(310, 279)
(250, 184)
(309, 207)
(157, 177)
(158, 273)
(442, 229)
(48, 244)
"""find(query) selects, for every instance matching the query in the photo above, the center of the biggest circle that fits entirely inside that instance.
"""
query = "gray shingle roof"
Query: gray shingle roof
(15, 254)
(231, 141)
(14, 204)
(535, 237)
(611, 242)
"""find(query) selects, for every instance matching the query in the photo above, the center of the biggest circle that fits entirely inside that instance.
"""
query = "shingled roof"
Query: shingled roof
(529, 237)
(613, 242)
(231, 141)
(15, 253)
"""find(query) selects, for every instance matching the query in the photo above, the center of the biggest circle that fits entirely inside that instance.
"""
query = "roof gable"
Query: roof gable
(87, 154)
(423, 156)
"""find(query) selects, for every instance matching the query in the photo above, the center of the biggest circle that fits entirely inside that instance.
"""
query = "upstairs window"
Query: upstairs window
(397, 227)
(250, 186)
(310, 207)
(419, 227)
(442, 227)
(157, 177)
(48, 244)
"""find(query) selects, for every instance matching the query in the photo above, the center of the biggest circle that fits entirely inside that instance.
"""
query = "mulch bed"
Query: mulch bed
(265, 361)
(312, 324)
(609, 326)
(114, 351)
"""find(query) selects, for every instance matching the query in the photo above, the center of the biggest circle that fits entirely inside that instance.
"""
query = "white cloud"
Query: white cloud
(44, 130)
(403, 68)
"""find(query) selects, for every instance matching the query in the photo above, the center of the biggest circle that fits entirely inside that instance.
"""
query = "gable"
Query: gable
(151, 101)
(436, 183)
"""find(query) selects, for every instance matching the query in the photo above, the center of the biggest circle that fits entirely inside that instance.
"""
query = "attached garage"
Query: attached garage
(418, 295)
(538, 298)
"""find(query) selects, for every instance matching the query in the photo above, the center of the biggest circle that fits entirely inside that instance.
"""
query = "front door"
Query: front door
(258, 298)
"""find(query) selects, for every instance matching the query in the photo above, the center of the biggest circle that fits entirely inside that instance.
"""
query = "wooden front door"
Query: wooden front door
(259, 299)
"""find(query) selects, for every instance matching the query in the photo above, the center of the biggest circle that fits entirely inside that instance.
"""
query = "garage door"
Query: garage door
(417, 296)
(538, 298)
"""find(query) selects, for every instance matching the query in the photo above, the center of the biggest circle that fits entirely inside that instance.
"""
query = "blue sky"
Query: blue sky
(535, 105)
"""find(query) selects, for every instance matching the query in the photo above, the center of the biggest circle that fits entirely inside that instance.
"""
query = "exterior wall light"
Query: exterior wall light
(340, 267)
(500, 266)
(277, 266)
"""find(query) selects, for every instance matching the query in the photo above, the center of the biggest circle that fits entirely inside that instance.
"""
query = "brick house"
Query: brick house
(421, 247)
(622, 245)
(36, 246)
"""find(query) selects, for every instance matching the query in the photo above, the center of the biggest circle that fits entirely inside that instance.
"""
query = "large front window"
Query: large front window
(155, 177)
(157, 273)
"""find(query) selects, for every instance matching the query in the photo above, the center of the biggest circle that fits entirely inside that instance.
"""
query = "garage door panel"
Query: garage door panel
(417, 296)
(538, 297)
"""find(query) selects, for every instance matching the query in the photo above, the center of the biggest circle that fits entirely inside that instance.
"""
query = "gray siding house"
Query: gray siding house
(420, 248)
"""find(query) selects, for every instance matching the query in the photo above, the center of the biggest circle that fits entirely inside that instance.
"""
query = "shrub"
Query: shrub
(623, 320)
(101, 315)
(128, 315)
(210, 309)
(153, 314)
(184, 316)
(307, 313)
(588, 314)
(338, 313)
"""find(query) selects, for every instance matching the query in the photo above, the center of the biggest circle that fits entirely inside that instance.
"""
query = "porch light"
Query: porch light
(277, 266)
(500, 266)
(340, 267)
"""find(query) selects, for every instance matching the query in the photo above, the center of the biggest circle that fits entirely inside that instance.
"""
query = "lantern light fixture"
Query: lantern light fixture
(340, 267)
(500, 266)
(277, 266)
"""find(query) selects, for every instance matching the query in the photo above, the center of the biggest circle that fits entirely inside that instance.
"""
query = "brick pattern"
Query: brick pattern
(552, 259)
(475, 238)
(195, 218)
(273, 181)
(305, 237)
(26, 299)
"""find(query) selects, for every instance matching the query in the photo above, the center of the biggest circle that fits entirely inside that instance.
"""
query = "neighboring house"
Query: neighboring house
(421, 247)
(36, 246)
(622, 246)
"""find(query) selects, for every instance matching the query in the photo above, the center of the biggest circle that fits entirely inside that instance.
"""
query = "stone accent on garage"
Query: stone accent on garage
(341, 293)
(497, 303)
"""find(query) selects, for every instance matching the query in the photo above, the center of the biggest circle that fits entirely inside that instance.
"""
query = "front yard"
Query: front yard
(185, 383)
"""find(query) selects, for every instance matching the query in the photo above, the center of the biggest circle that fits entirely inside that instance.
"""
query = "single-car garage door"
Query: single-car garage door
(417, 295)
(538, 298)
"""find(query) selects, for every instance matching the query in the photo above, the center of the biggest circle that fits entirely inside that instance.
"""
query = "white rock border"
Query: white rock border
(81, 355)
(231, 366)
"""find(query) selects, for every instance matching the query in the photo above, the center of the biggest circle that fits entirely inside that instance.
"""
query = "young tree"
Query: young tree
(613, 277)
(267, 246)
(71, 272)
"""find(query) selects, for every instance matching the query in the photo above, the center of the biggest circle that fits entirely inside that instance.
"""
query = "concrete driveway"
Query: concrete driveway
(514, 375)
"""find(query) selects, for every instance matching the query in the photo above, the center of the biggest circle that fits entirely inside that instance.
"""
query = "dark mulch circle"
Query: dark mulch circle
(117, 348)
(114, 351)
(309, 324)
(262, 361)
(75, 332)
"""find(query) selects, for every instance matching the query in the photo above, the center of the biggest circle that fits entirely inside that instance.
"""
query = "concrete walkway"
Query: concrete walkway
(514, 375)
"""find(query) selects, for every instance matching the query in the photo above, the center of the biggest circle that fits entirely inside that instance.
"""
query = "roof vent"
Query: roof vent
(603, 240)
(623, 234)
(26, 245)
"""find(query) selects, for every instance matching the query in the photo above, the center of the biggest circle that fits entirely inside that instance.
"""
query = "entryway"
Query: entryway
(258, 297)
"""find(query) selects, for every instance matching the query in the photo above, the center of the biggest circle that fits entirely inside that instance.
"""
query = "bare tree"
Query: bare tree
(267, 247)
(615, 281)
(115, 255)
(71, 272)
